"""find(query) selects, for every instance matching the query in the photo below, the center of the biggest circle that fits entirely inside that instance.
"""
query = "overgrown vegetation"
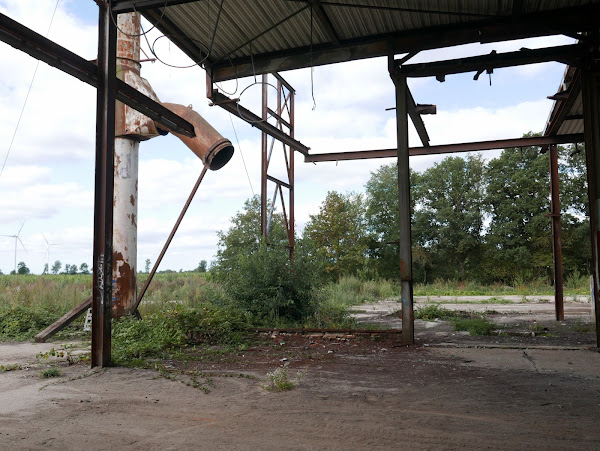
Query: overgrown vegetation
(474, 323)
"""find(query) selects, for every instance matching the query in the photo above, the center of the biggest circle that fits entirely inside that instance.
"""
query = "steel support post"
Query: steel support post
(103, 190)
(285, 103)
(591, 113)
(405, 244)
(292, 219)
(556, 234)
(264, 166)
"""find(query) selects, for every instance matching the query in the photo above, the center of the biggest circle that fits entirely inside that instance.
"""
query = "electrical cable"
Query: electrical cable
(242, 93)
(135, 11)
(242, 154)
(312, 69)
(37, 65)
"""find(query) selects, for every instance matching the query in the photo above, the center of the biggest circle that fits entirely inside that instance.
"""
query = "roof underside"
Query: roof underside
(235, 38)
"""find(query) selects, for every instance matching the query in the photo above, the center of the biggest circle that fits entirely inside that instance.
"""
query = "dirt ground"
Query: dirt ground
(451, 391)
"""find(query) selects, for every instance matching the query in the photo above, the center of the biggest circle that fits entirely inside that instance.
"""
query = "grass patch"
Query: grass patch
(574, 285)
(475, 326)
(432, 312)
(53, 371)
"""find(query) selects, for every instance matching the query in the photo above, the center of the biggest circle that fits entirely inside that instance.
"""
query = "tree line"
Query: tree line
(472, 219)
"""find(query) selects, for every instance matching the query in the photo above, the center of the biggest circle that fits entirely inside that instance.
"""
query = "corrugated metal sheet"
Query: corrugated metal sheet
(572, 123)
(264, 26)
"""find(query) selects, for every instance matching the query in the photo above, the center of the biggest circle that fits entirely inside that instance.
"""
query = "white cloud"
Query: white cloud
(49, 177)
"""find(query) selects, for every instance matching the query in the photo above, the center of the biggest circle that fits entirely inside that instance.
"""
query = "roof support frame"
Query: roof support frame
(567, 54)
(447, 148)
(43, 49)
(560, 21)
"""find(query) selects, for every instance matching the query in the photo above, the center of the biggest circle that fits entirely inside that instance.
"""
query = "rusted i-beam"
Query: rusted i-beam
(556, 234)
(168, 242)
(404, 225)
(103, 190)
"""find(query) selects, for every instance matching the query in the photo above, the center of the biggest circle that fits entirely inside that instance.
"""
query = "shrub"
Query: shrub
(270, 286)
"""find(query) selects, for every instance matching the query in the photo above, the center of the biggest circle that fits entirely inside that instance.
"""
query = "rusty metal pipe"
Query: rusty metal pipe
(208, 144)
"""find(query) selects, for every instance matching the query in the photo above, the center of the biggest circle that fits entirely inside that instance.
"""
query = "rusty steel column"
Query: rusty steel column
(264, 165)
(556, 234)
(103, 189)
(404, 226)
(591, 116)
(292, 215)
(124, 256)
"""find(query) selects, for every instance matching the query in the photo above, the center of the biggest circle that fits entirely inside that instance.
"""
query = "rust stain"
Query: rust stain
(123, 286)
(132, 199)
(133, 223)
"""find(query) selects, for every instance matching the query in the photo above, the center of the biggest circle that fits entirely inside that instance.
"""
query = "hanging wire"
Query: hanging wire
(240, 98)
(312, 69)
(37, 65)
(242, 154)
(143, 33)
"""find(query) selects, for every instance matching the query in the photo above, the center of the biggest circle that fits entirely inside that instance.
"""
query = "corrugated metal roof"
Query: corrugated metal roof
(250, 28)
(572, 118)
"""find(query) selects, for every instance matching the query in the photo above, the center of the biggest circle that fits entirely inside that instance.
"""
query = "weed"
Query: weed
(53, 371)
(475, 326)
(279, 380)
(432, 312)
(581, 327)
(12, 367)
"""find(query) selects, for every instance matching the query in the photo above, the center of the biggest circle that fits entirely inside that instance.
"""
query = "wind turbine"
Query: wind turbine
(48, 252)
(16, 237)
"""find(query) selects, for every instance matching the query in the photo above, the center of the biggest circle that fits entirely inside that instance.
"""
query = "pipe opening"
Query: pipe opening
(219, 154)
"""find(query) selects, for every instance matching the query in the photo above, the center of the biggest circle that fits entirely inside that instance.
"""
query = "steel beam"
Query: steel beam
(128, 6)
(556, 233)
(567, 54)
(417, 120)
(43, 49)
(559, 21)
(103, 201)
(447, 148)
(591, 113)
(319, 12)
(170, 238)
(404, 225)
(234, 108)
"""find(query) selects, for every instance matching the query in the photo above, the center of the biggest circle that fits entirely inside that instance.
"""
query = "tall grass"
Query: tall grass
(576, 284)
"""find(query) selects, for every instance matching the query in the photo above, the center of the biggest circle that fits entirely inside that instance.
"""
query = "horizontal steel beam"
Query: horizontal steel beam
(567, 54)
(43, 49)
(127, 6)
(567, 20)
(235, 108)
(447, 148)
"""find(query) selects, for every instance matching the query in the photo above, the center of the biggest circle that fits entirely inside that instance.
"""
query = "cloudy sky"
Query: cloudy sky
(48, 179)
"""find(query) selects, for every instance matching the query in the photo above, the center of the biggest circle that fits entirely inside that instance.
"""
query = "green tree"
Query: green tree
(45, 271)
(244, 235)
(84, 268)
(519, 238)
(56, 267)
(147, 266)
(22, 268)
(337, 234)
(451, 213)
(382, 222)
(202, 266)
(260, 278)
(577, 254)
